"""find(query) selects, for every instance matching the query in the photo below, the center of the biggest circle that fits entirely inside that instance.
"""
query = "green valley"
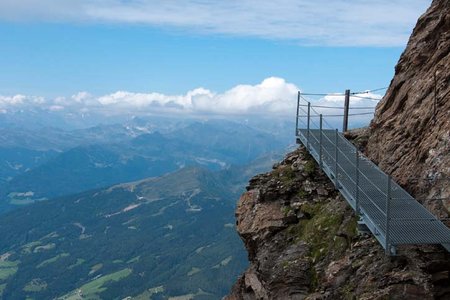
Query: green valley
(157, 238)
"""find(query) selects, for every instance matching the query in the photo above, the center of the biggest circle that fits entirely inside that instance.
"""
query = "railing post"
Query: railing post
(346, 107)
(336, 183)
(307, 126)
(357, 182)
(388, 217)
(298, 113)
(320, 142)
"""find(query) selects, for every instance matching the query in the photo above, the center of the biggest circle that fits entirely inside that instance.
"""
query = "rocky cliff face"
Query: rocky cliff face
(410, 136)
(302, 237)
(303, 243)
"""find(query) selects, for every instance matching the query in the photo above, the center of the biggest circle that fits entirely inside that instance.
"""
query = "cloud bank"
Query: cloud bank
(272, 97)
(320, 22)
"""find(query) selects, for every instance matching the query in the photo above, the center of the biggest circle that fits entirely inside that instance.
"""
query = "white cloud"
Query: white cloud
(322, 22)
(81, 96)
(18, 100)
(272, 97)
(12, 100)
(55, 108)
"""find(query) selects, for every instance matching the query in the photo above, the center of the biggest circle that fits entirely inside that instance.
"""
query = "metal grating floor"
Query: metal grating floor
(392, 215)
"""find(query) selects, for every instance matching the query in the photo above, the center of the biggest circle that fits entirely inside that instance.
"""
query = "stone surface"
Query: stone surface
(303, 244)
(410, 133)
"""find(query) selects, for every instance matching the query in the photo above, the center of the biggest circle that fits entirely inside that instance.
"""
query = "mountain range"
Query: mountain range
(160, 237)
(40, 164)
(142, 209)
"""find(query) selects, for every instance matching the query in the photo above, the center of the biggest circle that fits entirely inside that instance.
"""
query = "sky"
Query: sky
(196, 56)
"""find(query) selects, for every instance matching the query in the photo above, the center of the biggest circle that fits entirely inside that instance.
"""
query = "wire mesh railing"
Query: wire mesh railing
(390, 213)
(330, 106)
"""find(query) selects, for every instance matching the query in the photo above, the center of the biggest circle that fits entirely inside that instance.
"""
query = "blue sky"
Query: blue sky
(55, 59)
(52, 49)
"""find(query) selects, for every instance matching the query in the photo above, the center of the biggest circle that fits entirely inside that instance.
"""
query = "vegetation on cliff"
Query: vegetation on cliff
(303, 243)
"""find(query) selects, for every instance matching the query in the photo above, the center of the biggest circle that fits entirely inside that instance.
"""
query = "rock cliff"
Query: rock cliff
(302, 237)
(410, 134)
(303, 243)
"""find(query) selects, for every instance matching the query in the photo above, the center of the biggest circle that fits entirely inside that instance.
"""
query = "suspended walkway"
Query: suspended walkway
(392, 215)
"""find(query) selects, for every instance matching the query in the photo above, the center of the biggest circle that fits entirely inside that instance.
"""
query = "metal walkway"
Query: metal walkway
(391, 214)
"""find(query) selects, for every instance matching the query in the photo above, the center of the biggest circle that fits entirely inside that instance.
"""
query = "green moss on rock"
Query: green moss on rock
(310, 167)
(285, 174)
(319, 231)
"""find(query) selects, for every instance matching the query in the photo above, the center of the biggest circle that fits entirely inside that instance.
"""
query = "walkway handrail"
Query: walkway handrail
(367, 188)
